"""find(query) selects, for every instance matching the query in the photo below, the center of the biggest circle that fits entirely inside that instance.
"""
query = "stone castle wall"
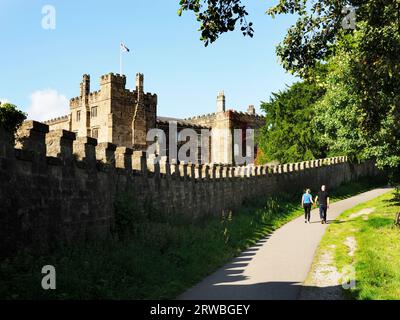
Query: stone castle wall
(56, 187)
(223, 123)
(123, 117)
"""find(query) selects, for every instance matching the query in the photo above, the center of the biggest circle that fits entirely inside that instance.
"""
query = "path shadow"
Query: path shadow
(266, 291)
(230, 283)
(329, 222)
(247, 254)
(233, 271)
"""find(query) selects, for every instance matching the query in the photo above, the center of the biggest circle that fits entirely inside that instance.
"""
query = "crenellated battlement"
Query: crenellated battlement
(202, 117)
(232, 113)
(62, 144)
(151, 98)
(164, 122)
(94, 96)
(246, 116)
(59, 187)
(56, 120)
(113, 78)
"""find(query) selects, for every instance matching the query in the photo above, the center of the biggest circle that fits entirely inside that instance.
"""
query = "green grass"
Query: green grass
(377, 256)
(160, 260)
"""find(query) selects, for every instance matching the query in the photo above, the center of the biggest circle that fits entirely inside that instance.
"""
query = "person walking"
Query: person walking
(323, 202)
(306, 203)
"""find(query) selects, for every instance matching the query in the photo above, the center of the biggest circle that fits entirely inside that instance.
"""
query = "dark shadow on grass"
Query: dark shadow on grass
(336, 221)
(379, 222)
(392, 201)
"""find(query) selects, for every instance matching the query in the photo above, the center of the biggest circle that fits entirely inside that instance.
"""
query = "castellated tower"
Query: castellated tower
(114, 114)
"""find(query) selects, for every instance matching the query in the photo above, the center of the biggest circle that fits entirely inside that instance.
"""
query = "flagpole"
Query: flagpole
(122, 49)
(120, 62)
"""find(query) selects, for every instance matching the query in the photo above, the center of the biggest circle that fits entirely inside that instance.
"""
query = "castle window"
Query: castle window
(95, 133)
(94, 112)
(78, 116)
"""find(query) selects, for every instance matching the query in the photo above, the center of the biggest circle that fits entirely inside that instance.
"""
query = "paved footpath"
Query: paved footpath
(276, 266)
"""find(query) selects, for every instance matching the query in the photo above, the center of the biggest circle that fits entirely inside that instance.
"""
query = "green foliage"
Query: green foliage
(10, 117)
(371, 81)
(217, 17)
(338, 118)
(311, 38)
(375, 74)
(365, 93)
(288, 135)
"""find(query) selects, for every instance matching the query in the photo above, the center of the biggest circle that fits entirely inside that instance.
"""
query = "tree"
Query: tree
(373, 64)
(217, 17)
(10, 117)
(288, 135)
(337, 120)
(373, 67)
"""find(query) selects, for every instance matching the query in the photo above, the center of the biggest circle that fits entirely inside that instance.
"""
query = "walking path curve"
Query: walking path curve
(276, 266)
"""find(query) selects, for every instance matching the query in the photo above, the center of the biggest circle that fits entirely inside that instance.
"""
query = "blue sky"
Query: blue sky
(41, 69)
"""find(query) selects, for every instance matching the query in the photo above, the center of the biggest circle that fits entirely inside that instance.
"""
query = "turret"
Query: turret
(85, 85)
(116, 80)
(139, 82)
(251, 110)
(221, 102)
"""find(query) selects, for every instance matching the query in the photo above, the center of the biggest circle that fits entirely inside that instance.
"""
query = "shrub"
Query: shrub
(10, 117)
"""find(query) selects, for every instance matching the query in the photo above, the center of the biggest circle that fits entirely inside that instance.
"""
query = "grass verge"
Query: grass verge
(160, 261)
(375, 245)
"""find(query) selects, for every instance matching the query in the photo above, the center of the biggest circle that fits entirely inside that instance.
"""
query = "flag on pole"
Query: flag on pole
(124, 48)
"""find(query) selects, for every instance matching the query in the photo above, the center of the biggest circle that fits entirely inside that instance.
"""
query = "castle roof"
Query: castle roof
(180, 122)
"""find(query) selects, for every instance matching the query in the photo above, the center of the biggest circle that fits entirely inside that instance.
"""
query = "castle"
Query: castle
(60, 181)
(123, 117)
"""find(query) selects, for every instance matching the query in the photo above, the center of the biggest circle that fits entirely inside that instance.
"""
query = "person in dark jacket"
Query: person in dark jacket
(323, 202)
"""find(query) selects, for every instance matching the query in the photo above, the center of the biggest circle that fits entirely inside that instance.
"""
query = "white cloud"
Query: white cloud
(47, 104)
(4, 100)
